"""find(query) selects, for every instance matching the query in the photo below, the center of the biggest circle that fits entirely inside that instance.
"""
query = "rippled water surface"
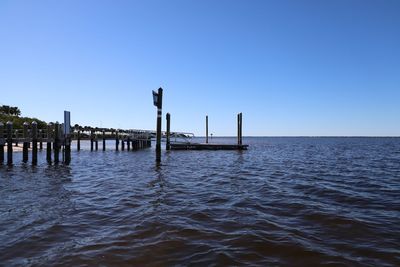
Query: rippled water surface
(285, 201)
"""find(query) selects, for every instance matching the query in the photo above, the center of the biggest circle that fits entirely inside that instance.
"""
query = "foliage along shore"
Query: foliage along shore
(8, 113)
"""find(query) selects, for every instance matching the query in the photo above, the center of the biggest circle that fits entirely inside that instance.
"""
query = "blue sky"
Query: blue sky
(291, 67)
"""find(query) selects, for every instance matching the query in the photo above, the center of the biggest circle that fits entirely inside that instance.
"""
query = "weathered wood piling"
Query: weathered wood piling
(206, 129)
(25, 143)
(56, 143)
(34, 143)
(168, 143)
(48, 144)
(157, 99)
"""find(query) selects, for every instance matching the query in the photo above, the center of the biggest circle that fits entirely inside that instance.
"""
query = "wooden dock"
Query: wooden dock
(205, 146)
(58, 138)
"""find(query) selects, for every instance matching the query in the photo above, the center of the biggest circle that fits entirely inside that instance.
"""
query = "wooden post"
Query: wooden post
(34, 142)
(78, 144)
(116, 140)
(241, 127)
(206, 129)
(91, 139)
(167, 146)
(67, 149)
(238, 129)
(104, 140)
(128, 144)
(25, 143)
(41, 139)
(135, 144)
(159, 116)
(56, 143)
(9, 143)
(122, 144)
(48, 146)
(1, 143)
(96, 139)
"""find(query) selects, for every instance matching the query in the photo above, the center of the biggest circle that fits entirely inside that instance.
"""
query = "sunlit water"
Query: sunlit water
(285, 201)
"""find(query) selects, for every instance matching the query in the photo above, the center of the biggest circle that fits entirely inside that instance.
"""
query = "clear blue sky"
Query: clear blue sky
(291, 67)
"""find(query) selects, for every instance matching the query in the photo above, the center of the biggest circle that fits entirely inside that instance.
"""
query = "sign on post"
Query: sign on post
(155, 98)
(67, 122)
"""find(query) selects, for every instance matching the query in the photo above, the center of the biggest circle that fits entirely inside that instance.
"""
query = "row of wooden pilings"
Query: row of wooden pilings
(32, 137)
(134, 141)
(56, 141)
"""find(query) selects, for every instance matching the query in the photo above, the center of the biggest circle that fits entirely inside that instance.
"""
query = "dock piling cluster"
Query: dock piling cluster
(59, 143)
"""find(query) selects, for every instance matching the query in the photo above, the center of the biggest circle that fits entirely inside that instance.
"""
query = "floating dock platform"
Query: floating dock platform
(203, 146)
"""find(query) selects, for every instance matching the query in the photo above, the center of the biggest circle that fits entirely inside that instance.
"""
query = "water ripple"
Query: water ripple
(285, 201)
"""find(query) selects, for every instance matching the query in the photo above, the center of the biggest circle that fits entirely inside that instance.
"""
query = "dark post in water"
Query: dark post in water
(167, 146)
(206, 129)
(238, 122)
(239, 117)
(96, 142)
(67, 149)
(41, 139)
(116, 140)
(56, 142)
(78, 144)
(91, 139)
(25, 143)
(240, 128)
(157, 99)
(104, 140)
(48, 146)
(34, 142)
(9, 143)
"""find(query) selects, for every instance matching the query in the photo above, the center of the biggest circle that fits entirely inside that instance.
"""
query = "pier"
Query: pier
(58, 138)
(207, 145)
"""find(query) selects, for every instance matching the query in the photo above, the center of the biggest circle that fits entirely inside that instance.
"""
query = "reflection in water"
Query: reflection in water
(285, 201)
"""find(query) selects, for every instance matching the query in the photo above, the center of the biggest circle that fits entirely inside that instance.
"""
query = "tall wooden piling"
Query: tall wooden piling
(96, 140)
(241, 127)
(104, 140)
(1, 143)
(78, 144)
(116, 141)
(67, 149)
(238, 129)
(48, 145)
(167, 145)
(159, 116)
(91, 139)
(128, 144)
(206, 129)
(41, 139)
(9, 143)
(25, 143)
(56, 143)
(34, 142)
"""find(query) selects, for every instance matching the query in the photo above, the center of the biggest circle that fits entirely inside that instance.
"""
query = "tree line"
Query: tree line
(9, 110)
